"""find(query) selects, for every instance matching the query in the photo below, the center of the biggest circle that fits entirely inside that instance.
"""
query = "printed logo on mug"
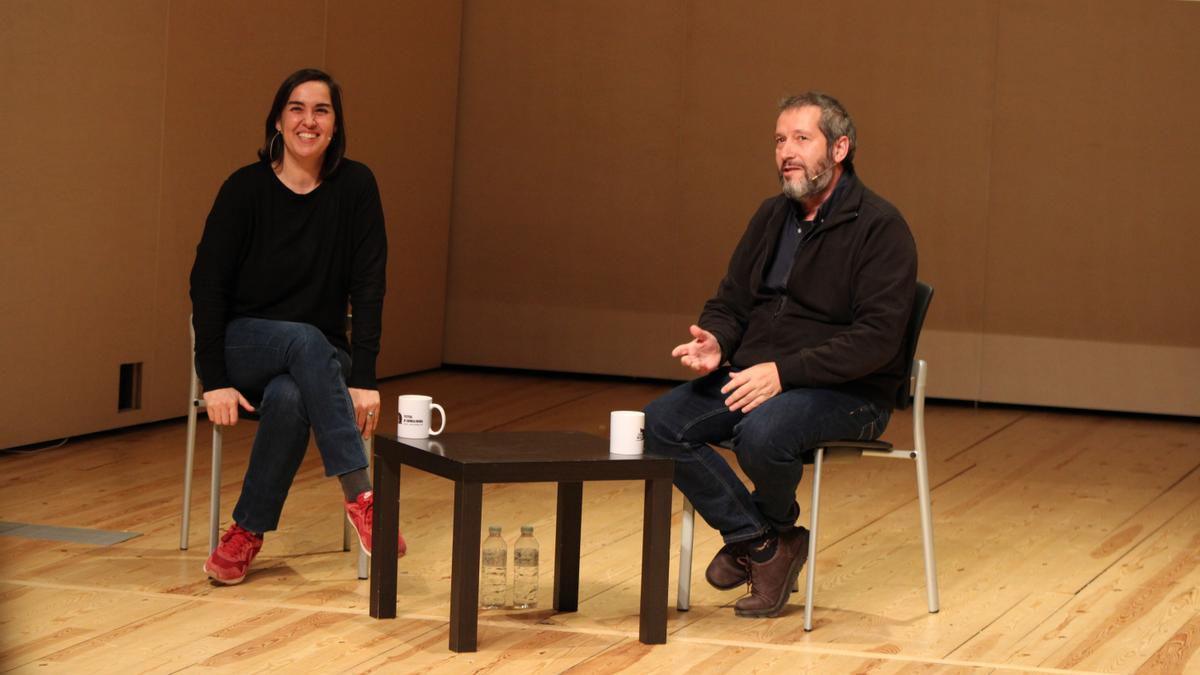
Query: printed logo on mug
(626, 431)
(414, 415)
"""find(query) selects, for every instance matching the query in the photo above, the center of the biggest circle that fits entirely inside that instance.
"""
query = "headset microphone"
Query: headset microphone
(827, 170)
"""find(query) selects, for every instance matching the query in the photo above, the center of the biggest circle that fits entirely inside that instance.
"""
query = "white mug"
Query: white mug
(415, 413)
(626, 429)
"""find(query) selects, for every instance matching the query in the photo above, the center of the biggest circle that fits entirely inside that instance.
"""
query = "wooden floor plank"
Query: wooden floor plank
(1066, 543)
(1124, 618)
(1035, 611)
(509, 651)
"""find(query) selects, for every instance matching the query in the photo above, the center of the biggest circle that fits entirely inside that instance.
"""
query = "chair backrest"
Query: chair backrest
(912, 333)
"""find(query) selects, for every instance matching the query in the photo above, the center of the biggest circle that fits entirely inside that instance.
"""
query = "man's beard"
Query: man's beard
(807, 186)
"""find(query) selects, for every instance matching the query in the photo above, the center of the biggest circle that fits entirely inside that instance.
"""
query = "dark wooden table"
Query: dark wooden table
(472, 459)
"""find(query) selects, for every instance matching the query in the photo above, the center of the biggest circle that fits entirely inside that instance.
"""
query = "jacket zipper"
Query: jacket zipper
(804, 235)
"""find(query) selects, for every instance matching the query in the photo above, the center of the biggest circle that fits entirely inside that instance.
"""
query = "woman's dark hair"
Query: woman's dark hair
(273, 152)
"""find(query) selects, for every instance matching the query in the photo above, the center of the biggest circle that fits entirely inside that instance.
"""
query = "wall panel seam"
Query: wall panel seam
(987, 211)
(157, 374)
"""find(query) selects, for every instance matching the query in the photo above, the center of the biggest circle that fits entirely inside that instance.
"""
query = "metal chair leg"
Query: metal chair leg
(924, 500)
(346, 538)
(364, 561)
(214, 498)
(687, 533)
(813, 518)
(188, 461)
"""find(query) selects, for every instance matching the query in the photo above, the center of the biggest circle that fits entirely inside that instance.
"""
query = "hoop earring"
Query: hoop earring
(271, 147)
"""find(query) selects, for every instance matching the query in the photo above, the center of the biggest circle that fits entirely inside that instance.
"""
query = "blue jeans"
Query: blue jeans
(295, 379)
(769, 442)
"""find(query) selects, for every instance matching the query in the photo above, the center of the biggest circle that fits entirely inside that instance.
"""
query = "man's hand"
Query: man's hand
(749, 388)
(702, 354)
(222, 405)
(366, 410)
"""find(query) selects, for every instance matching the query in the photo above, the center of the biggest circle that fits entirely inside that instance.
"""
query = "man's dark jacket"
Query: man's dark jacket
(840, 325)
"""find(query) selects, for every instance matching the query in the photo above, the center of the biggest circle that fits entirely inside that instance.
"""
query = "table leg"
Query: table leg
(566, 547)
(383, 536)
(464, 566)
(656, 540)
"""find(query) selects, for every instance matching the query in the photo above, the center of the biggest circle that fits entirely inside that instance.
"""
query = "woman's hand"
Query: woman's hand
(366, 410)
(222, 405)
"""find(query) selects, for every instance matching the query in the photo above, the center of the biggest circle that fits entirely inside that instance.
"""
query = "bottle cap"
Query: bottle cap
(494, 530)
(526, 529)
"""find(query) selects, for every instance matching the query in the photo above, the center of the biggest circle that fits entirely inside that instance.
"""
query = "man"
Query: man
(801, 343)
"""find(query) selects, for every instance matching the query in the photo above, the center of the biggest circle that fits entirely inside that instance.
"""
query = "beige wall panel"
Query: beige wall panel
(955, 361)
(398, 65)
(636, 143)
(83, 95)
(1095, 375)
(126, 117)
(1093, 230)
(1092, 300)
(566, 174)
(918, 82)
(223, 66)
(590, 331)
(917, 78)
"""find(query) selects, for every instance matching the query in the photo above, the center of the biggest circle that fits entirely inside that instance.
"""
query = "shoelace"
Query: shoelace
(744, 561)
(748, 562)
(367, 511)
(245, 541)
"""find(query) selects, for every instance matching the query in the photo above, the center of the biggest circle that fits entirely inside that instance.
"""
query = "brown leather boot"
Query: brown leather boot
(771, 582)
(727, 569)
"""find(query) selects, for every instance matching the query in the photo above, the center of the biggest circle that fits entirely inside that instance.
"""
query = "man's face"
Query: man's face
(802, 155)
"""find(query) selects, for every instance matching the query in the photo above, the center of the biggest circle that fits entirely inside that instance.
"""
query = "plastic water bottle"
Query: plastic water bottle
(525, 570)
(493, 584)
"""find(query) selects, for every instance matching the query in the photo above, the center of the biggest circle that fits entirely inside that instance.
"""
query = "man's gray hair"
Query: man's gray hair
(835, 121)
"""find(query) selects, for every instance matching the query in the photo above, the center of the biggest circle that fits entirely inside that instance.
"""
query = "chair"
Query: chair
(214, 500)
(912, 394)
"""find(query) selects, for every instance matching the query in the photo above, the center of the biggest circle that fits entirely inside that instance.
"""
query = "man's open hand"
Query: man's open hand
(702, 354)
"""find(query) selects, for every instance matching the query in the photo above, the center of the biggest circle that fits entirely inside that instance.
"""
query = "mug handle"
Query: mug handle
(443, 412)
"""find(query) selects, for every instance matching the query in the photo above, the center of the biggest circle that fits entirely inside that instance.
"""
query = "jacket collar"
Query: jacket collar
(842, 206)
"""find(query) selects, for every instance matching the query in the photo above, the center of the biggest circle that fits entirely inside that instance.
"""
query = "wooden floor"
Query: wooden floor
(1066, 542)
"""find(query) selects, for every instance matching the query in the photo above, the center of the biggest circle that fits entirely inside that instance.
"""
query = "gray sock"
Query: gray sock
(354, 483)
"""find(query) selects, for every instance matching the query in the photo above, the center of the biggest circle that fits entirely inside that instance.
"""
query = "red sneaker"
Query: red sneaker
(360, 513)
(230, 560)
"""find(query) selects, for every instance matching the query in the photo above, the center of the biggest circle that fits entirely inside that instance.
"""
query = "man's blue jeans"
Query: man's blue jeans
(296, 379)
(769, 442)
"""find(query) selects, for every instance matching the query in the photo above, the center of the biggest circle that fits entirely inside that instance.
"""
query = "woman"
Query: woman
(290, 239)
